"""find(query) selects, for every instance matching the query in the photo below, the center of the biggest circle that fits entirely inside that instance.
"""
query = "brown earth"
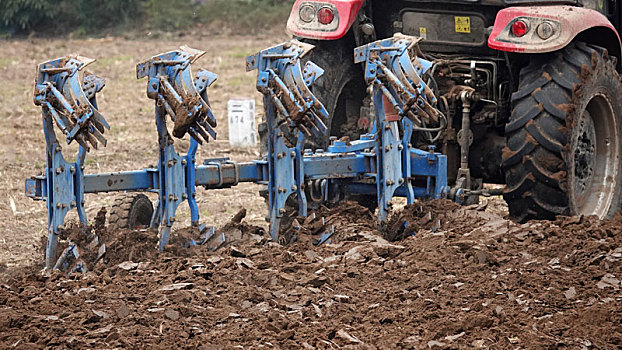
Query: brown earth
(470, 280)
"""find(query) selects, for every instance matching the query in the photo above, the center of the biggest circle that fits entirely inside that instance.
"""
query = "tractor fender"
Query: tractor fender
(345, 14)
(568, 23)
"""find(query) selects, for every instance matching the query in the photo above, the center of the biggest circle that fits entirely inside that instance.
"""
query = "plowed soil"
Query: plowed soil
(457, 278)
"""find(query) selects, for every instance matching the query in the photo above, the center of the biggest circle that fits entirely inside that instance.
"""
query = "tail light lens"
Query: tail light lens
(306, 13)
(520, 28)
(325, 15)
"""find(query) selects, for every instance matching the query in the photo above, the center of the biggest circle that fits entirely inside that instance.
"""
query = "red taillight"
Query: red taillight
(519, 28)
(325, 15)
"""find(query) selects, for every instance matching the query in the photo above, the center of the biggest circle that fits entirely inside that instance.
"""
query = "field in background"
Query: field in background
(132, 138)
(78, 18)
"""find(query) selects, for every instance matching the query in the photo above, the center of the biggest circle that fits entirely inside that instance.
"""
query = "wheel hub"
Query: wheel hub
(584, 155)
(595, 159)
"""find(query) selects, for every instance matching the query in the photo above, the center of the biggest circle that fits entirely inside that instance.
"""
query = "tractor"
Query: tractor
(529, 90)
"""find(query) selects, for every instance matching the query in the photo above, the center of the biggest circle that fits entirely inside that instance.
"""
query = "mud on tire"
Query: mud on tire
(563, 137)
(130, 211)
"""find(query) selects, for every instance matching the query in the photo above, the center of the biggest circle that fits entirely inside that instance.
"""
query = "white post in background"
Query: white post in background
(242, 130)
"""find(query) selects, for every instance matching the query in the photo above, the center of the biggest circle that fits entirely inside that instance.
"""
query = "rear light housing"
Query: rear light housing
(329, 20)
(320, 16)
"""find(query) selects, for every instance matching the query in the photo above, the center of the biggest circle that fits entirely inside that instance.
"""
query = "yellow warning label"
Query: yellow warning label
(463, 24)
(423, 32)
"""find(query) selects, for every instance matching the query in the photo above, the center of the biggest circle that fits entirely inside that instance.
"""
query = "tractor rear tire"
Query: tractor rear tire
(341, 88)
(564, 146)
(130, 211)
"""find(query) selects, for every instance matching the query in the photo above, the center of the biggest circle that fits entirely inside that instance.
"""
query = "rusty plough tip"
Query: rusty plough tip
(68, 98)
(181, 96)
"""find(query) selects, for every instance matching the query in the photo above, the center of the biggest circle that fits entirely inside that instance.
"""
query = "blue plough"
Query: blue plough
(381, 163)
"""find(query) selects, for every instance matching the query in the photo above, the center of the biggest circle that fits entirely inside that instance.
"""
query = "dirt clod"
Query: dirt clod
(460, 277)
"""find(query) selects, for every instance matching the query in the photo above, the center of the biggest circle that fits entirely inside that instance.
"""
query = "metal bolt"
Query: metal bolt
(82, 202)
(59, 170)
(72, 169)
(387, 148)
(172, 219)
(400, 147)
(387, 126)
(58, 149)
(73, 204)
(58, 205)
(170, 197)
(401, 181)
(281, 211)
(184, 161)
(279, 156)
(170, 163)
(293, 154)
(263, 80)
(390, 183)
(184, 196)
(294, 187)
(279, 134)
(281, 190)
(154, 85)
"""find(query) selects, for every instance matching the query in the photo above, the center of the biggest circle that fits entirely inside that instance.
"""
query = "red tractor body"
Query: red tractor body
(544, 113)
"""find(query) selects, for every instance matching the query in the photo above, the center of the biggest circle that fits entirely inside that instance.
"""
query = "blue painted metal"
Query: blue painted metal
(287, 99)
(184, 99)
(68, 100)
(179, 94)
(390, 71)
(382, 162)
